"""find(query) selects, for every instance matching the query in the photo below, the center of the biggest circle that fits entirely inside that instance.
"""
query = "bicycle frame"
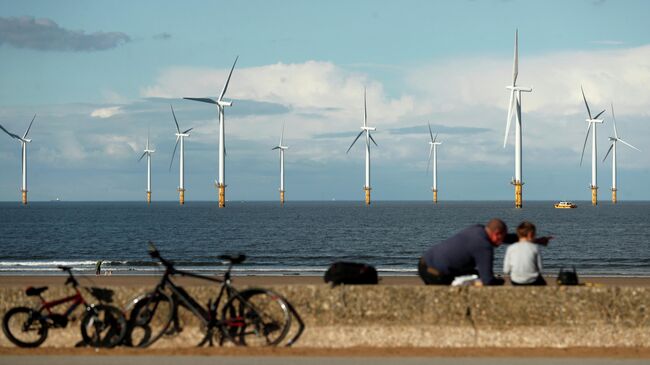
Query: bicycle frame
(76, 299)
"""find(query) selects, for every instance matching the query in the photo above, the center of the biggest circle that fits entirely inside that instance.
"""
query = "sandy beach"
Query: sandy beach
(146, 280)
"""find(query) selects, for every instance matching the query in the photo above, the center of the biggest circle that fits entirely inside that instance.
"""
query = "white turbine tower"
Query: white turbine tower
(221, 104)
(514, 107)
(147, 152)
(23, 144)
(281, 147)
(594, 168)
(180, 136)
(365, 129)
(433, 149)
(612, 149)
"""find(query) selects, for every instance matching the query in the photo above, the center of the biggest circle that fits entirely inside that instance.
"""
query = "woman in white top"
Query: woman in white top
(523, 260)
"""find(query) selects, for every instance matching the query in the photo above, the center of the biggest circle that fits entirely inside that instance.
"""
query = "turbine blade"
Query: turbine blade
(585, 99)
(173, 154)
(144, 154)
(225, 86)
(282, 135)
(599, 114)
(608, 151)
(365, 109)
(30, 127)
(585, 144)
(372, 139)
(629, 145)
(614, 119)
(203, 100)
(275, 148)
(9, 133)
(188, 131)
(515, 66)
(353, 142)
(431, 133)
(510, 107)
(435, 138)
(175, 121)
(429, 160)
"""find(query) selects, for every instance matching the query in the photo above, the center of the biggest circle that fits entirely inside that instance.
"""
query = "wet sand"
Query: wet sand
(151, 280)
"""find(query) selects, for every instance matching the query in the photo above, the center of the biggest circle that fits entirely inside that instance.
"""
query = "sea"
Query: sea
(304, 238)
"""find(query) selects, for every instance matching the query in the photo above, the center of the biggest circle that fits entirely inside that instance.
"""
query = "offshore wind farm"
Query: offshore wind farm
(102, 93)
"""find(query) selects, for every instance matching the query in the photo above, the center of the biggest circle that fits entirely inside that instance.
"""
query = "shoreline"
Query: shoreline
(20, 281)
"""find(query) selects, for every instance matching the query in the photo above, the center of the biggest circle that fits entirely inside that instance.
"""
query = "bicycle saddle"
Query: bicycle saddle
(233, 259)
(31, 291)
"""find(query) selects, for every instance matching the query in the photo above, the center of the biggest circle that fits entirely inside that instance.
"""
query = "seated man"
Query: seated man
(470, 251)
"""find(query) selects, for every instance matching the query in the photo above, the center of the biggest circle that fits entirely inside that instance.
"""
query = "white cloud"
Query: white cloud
(621, 76)
(106, 112)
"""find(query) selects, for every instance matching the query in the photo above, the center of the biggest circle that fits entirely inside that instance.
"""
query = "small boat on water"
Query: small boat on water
(565, 205)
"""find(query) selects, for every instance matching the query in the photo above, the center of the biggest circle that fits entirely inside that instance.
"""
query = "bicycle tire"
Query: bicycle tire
(256, 317)
(103, 326)
(33, 316)
(155, 310)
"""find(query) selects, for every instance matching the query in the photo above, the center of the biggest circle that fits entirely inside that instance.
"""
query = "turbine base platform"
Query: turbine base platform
(181, 196)
(518, 194)
(594, 195)
(367, 190)
(613, 195)
(222, 195)
(282, 197)
(148, 197)
(24, 193)
(435, 195)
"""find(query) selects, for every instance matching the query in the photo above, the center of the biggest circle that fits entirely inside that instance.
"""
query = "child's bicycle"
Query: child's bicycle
(102, 325)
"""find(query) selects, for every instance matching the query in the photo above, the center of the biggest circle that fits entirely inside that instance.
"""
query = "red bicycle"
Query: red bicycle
(102, 325)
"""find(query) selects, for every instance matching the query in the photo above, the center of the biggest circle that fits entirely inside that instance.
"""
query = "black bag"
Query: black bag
(567, 277)
(350, 273)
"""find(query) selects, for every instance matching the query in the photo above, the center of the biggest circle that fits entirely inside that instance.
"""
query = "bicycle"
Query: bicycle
(253, 317)
(102, 325)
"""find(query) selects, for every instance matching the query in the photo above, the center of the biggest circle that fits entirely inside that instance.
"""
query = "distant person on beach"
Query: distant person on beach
(470, 251)
(523, 260)
(98, 267)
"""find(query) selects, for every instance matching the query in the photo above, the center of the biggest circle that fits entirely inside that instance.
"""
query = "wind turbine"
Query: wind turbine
(365, 129)
(281, 147)
(514, 107)
(221, 104)
(594, 168)
(147, 152)
(433, 149)
(612, 149)
(23, 144)
(180, 136)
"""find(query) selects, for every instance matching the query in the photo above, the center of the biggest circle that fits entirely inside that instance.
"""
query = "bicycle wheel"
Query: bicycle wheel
(24, 327)
(149, 319)
(256, 317)
(103, 326)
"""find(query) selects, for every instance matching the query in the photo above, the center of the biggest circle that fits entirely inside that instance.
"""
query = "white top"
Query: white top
(523, 262)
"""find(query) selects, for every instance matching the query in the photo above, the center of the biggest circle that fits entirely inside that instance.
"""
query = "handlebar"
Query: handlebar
(70, 280)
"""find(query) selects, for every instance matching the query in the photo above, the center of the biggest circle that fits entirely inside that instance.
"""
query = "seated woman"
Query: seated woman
(523, 260)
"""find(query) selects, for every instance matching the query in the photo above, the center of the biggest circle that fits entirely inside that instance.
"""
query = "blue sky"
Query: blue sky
(100, 74)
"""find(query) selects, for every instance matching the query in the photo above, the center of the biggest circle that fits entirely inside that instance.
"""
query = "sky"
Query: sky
(101, 76)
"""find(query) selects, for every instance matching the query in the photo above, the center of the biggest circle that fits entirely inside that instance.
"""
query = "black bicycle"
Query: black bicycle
(252, 317)
(102, 325)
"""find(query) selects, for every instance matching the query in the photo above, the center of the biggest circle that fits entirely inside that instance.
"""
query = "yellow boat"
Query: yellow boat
(565, 205)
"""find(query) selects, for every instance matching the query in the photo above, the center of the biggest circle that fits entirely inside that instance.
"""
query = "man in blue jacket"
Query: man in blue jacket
(470, 251)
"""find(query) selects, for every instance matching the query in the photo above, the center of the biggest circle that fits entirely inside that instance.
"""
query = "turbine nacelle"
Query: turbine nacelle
(223, 104)
(519, 88)
(368, 128)
(594, 120)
